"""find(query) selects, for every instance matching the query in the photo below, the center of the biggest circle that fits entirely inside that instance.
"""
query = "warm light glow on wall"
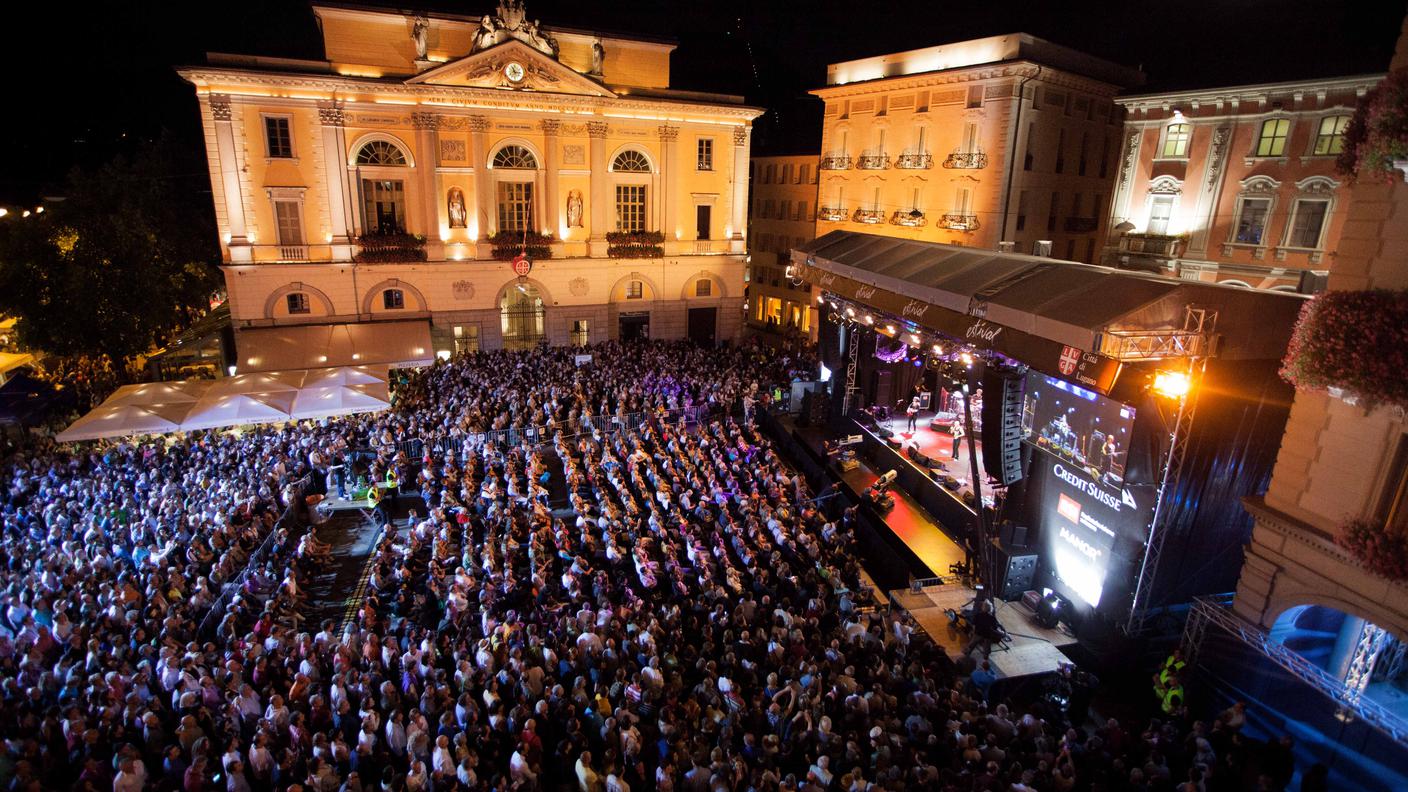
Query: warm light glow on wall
(359, 73)
(929, 59)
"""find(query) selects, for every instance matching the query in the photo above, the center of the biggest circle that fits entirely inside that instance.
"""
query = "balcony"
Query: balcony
(1081, 225)
(710, 247)
(832, 214)
(388, 248)
(869, 216)
(959, 222)
(911, 219)
(966, 159)
(873, 162)
(839, 162)
(914, 161)
(293, 252)
(1165, 245)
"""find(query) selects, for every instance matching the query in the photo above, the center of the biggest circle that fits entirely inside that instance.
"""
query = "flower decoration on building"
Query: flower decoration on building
(1381, 550)
(635, 244)
(1376, 140)
(1356, 341)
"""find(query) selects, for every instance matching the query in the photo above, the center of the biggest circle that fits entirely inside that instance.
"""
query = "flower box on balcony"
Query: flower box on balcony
(389, 248)
(869, 216)
(509, 244)
(1376, 139)
(959, 222)
(1170, 245)
(835, 163)
(966, 159)
(873, 162)
(910, 219)
(1379, 548)
(635, 244)
(833, 214)
(914, 161)
(1355, 342)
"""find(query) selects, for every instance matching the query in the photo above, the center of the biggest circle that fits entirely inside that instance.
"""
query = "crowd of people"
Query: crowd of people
(605, 604)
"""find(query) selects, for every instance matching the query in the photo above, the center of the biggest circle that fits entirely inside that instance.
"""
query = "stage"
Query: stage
(1033, 649)
(937, 446)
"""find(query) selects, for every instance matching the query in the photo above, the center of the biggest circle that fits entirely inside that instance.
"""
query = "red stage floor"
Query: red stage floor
(939, 444)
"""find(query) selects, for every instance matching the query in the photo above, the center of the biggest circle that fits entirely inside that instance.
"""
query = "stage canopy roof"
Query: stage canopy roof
(1116, 314)
(266, 397)
(404, 343)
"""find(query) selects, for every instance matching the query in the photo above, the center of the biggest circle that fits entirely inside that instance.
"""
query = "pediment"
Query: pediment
(488, 69)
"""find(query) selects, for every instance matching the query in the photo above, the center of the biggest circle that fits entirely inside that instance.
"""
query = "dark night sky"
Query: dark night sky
(81, 77)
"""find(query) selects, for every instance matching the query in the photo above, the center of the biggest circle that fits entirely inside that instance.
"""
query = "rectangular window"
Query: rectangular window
(1070, 250)
(581, 335)
(1392, 511)
(963, 201)
(802, 211)
(1031, 141)
(704, 150)
(1159, 212)
(289, 223)
(703, 288)
(1251, 220)
(1080, 163)
(466, 339)
(771, 174)
(393, 299)
(975, 96)
(1090, 251)
(767, 208)
(804, 174)
(1104, 156)
(384, 206)
(630, 207)
(773, 315)
(1329, 138)
(1272, 140)
(970, 138)
(1061, 151)
(1076, 202)
(635, 290)
(1308, 222)
(516, 206)
(785, 211)
(1176, 138)
(278, 135)
(1022, 210)
(298, 303)
(1055, 208)
(787, 174)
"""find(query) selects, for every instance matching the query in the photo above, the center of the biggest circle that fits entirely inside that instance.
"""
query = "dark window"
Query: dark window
(279, 136)
(298, 303)
(393, 299)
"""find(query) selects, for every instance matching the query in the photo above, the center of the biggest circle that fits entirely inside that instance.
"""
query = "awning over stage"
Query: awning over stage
(312, 346)
(1039, 309)
(267, 397)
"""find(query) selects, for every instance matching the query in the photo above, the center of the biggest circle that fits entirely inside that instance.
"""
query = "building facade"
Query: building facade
(1234, 185)
(781, 216)
(398, 179)
(1004, 139)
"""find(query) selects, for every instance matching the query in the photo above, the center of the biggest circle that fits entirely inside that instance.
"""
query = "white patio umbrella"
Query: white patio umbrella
(127, 419)
(346, 375)
(340, 400)
(159, 393)
(237, 409)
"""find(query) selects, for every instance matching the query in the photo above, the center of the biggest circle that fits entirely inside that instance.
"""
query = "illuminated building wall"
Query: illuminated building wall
(1005, 139)
(313, 162)
(781, 216)
(1234, 185)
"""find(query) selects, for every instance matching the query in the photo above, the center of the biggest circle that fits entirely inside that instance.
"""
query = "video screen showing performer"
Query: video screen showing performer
(1079, 426)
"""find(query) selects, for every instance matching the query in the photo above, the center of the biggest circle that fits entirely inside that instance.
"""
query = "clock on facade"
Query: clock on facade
(514, 72)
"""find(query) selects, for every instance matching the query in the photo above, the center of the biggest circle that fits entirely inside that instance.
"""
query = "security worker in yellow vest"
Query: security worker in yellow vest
(374, 499)
(1168, 677)
(1172, 699)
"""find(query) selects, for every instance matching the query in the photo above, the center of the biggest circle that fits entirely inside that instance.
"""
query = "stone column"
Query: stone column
(484, 215)
(222, 114)
(428, 145)
(669, 199)
(600, 188)
(738, 210)
(550, 127)
(340, 208)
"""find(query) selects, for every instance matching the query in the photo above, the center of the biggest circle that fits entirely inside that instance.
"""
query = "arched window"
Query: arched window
(514, 156)
(631, 161)
(381, 152)
(521, 316)
(393, 299)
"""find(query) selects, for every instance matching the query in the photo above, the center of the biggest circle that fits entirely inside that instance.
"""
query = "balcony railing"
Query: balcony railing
(833, 214)
(709, 247)
(1081, 225)
(913, 218)
(873, 162)
(870, 216)
(1152, 244)
(966, 159)
(293, 252)
(959, 222)
(375, 248)
(836, 162)
(914, 161)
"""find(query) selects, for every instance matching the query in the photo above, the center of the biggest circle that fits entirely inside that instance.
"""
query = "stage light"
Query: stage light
(889, 329)
(967, 360)
(1171, 384)
(914, 339)
(851, 312)
(3, 211)
(938, 350)
(870, 320)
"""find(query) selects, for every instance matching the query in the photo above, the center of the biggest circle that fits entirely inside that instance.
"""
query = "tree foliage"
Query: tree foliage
(119, 266)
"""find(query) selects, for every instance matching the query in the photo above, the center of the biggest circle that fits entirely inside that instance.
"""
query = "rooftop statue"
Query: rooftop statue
(510, 20)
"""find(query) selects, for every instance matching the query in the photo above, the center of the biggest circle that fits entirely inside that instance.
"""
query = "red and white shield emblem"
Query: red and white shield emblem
(522, 265)
(1070, 359)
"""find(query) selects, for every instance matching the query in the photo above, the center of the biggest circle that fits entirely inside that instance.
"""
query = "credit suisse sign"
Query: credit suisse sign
(1052, 357)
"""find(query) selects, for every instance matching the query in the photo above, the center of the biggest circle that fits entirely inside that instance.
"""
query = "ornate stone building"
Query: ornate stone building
(1007, 139)
(781, 216)
(1234, 185)
(394, 182)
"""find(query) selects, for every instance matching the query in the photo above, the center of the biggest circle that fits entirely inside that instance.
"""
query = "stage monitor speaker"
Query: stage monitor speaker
(1002, 424)
(815, 406)
(1016, 571)
(1012, 535)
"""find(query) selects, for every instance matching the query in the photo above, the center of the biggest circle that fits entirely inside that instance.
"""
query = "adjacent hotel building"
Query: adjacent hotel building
(781, 216)
(395, 182)
(1234, 185)
(1009, 139)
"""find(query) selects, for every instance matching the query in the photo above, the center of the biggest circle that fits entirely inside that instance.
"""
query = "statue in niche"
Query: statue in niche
(457, 214)
(574, 209)
(598, 58)
(420, 30)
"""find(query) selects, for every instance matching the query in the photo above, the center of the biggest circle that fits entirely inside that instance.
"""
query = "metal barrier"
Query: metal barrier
(1211, 611)
(291, 519)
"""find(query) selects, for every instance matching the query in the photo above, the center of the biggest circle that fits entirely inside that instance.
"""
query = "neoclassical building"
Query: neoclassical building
(396, 181)
(1234, 185)
(781, 216)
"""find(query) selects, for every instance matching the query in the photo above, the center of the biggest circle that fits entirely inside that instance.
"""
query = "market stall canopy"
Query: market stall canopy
(404, 343)
(159, 392)
(120, 420)
(341, 400)
(263, 382)
(237, 409)
(347, 375)
(1109, 312)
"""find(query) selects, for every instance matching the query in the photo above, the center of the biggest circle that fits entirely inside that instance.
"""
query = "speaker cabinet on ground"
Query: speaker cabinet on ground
(1002, 424)
(1016, 571)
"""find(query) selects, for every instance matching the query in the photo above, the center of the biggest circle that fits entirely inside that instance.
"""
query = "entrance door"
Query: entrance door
(702, 324)
(702, 215)
(635, 326)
